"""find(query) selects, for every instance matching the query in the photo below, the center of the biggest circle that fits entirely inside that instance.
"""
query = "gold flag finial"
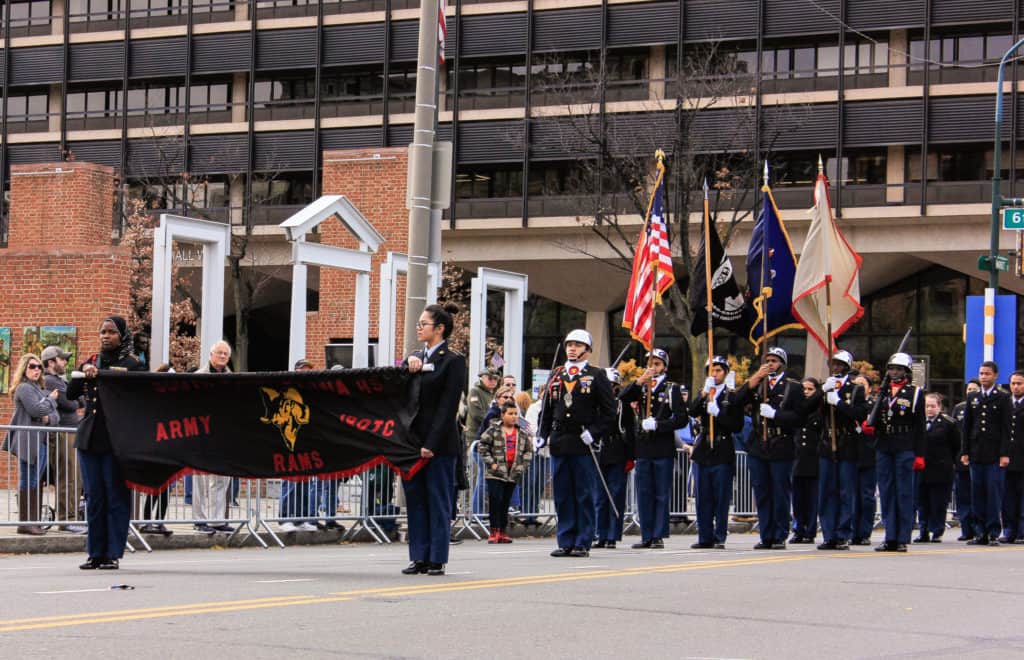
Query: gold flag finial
(821, 168)
(659, 154)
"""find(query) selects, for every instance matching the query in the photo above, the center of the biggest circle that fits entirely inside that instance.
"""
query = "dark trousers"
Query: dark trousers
(1013, 492)
(805, 507)
(609, 526)
(773, 494)
(864, 502)
(572, 483)
(896, 489)
(837, 492)
(714, 493)
(107, 505)
(499, 496)
(428, 502)
(932, 503)
(156, 506)
(964, 509)
(653, 492)
(986, 496)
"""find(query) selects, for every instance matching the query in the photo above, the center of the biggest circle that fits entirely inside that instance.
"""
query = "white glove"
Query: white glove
(713, 408)
(649, 424)
(832, 398)
(767, 411)
(586, 437)
(539, 443)
(709, 384)
(830, 384)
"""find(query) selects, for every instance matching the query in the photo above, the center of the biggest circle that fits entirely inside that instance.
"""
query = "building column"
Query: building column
(656, 73)
(239, 90)
(53, 108)
(57, 9)
(442, 89)
(894, 174)
(236, 205)
(898, 45)
(597, 326)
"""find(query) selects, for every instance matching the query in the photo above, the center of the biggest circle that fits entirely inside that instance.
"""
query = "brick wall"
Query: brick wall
(60, 266)
(374, 180)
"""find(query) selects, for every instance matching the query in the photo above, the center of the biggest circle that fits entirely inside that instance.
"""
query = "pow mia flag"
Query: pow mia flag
(729, 309)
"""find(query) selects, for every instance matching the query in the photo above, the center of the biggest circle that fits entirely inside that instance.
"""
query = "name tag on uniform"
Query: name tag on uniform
(428, 367)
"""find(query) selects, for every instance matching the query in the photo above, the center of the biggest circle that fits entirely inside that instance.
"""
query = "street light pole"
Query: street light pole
(998, 202)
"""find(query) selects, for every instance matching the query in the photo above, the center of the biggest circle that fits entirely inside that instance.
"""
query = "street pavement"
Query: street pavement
(514, 601)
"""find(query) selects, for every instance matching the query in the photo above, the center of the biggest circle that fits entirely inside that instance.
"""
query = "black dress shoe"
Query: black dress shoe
(719, 546)
(657, 544)
(861, 542)
(842, 545)
(965, 537)
(885, 546)
(937, 539)
(900, 547)
(90, 564)
(108, 565)
(561, 552)
(701, 546)
(922, 539)
(643, 545)
(600, 544)
(579, 552)
(980, 540)
(762, 545)
(1006, 539)
(435, 569)
(778, 546)
(454, 541)
(827, 545)
(415, 568)
(993, 543)
(610, 545)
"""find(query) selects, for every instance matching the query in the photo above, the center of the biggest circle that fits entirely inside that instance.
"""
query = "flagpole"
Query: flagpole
(660, 157)
(828, 329)
(710, 303)
(764, 300)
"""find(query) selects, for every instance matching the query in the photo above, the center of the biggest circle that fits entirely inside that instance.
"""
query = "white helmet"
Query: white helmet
(900, 360)
(779, 353)
(845, 357)
(582, 336)
(658, 353)
(613, 375)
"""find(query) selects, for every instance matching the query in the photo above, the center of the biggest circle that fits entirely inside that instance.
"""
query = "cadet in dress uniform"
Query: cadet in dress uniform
(864, 502)
(578, 411)
(714, 452)
(428, 494)
(805, 467)
(935, 482)
(962, 483)
(985, 441)
(845, 401)
(777, 414)
(899, 451)
(616, 459)
(655, 446)
(1013, 463)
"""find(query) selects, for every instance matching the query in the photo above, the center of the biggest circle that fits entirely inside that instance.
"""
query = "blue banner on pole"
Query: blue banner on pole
(1006, 336)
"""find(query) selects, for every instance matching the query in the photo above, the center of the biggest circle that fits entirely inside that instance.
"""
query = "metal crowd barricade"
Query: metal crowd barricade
(43, 484)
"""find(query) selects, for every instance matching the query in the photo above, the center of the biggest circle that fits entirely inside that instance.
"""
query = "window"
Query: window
(30, 13)
(340, 83)
(484, 181)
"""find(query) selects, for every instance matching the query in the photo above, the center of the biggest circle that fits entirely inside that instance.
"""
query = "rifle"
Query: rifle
(873, 415)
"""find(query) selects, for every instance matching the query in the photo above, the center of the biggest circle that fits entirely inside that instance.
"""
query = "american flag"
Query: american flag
(652, 268)
(442, 31)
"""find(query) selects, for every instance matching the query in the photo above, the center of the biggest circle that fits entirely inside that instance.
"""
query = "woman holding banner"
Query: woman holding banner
(108, 500)
(428, 494)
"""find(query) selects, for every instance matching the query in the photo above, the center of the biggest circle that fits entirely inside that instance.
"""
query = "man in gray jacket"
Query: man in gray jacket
(62, 456)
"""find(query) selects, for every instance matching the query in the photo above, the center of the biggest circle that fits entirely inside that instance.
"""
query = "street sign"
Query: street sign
(1002, 264)
(1013, 219)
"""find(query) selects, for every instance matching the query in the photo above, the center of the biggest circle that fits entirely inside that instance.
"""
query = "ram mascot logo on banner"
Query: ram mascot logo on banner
(287, 411)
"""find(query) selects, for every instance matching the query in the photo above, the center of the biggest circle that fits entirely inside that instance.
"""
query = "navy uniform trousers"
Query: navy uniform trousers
(1013, 495)
(932, 503)
(964, 509)
(986, 498)
(864, 503)
(108, 520)
(428, 503)
(609, 526)
(837, 492)
(653, 493)
(896, 488)
(572, 484)
(805, 507)
(773, 495)
(714, 493)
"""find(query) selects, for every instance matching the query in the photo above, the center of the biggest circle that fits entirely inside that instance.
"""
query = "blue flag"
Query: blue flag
(771, 268)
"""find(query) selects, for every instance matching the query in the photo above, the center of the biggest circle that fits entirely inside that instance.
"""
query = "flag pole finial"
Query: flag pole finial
(705, 187)
(766, 172)
(821, 168)
(659, 154)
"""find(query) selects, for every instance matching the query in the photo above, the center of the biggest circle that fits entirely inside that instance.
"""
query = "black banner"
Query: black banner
(728, 308)
(291, 425)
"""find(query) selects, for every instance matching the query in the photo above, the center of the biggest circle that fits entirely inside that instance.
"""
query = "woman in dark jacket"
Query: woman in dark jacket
(935, 482)
(428, 494)
(805, 467)
(108, 500)
(33, 406)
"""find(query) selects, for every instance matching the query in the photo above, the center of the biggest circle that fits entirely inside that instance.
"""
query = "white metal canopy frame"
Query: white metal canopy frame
(396, 265)
(305, 254)
(215, 238)
(514, 286)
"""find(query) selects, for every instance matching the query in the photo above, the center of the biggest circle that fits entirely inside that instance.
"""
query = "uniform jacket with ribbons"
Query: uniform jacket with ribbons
(851, 410)
(942, 450)
(592, 409)
(93, 435)
(729, 421)
(787, 397)
(1015, 448)
(436, 424)
(667, 408)
(900, 425)
(987, 426)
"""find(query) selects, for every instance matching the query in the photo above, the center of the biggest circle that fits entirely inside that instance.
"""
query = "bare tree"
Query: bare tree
(707, 122)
